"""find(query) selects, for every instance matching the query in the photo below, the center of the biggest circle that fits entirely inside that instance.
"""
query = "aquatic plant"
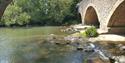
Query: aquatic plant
(91, 32)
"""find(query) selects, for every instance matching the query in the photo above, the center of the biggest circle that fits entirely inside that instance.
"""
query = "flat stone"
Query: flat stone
(108, 37)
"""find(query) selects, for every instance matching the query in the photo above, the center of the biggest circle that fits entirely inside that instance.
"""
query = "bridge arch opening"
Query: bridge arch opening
(91, 17)
(118, 17)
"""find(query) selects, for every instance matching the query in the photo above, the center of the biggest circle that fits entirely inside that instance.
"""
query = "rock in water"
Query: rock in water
(80, 47)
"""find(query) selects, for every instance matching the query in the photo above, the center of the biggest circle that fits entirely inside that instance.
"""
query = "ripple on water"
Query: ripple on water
(24, 46)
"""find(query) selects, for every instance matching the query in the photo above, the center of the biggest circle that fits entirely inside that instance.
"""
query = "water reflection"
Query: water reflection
(28, 46)
(46, 53)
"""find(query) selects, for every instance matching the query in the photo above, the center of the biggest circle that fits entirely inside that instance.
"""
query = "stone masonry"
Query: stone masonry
(108, 15)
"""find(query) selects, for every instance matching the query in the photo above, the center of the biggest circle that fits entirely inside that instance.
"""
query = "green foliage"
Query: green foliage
(40, 12)
(91, 32)
(14, 15)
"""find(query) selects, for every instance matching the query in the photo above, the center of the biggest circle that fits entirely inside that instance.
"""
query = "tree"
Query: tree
(47, 12)
(15, 16)
(40, 12)
(3, 5)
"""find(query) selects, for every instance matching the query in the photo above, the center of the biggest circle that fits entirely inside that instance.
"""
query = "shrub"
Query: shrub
(14, 15)
(91, 32)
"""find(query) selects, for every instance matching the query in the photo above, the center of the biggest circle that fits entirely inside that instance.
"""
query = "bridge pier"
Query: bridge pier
(107, 15)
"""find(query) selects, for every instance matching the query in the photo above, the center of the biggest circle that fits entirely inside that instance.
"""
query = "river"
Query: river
(27, 45)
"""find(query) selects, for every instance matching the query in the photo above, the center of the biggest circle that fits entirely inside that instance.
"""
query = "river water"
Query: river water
(27, 45)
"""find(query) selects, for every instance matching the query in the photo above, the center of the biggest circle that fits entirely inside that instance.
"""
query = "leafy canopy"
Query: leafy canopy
(40, 12)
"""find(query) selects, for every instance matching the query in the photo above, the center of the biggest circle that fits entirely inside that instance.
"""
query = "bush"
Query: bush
(91, 32)
(40, 12)
(14, 15)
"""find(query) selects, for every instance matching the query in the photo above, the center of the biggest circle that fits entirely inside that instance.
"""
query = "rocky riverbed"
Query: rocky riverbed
(110, 42)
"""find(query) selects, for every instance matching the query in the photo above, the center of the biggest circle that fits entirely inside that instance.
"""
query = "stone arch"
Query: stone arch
(107, 12)
(116, 23)
(91, 17)
(117, 18)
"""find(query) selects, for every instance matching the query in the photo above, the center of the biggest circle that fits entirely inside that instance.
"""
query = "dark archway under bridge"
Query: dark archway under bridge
(108, 15)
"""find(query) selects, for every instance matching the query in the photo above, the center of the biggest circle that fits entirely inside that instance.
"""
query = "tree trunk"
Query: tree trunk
(3, 5)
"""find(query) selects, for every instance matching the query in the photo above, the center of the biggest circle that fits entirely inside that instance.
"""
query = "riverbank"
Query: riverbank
(109, 42)
(109, 38)
(101, 37)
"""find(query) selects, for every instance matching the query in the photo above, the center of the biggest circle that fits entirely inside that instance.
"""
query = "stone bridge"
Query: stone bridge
(108, 15)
